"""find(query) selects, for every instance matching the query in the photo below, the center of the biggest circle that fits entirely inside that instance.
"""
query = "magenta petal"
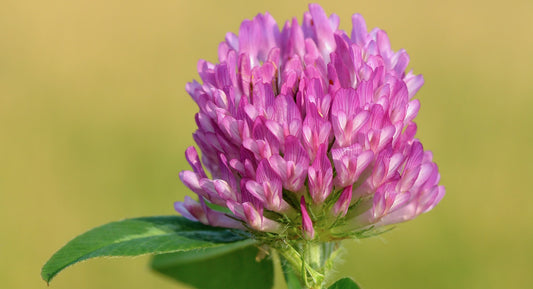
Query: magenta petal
(191, 180)
(253, 217)
(224, 190)
(279, 165)
(194, 161)
(315, 131)
(271, 186)
(276, 129)
(343, 62)
(287, 116)
(191, 210)
(414, 83)
(400, 61)
(232, 40)
(416, 155)
(350, 162)
(296, 165)
(323, 29)
(257, 221)
(258, 36)
(439, 195)
(223, 50)
(412, 110)
(383, 43)
(210, 193)
(292, 39)
(219, 219)
(199, 211)
(359, 32)
(347, 101)
(426, 170)
(320, 176)
(408, 179)
(343, 203)
(307, 224)
(346, 116)
(256, 190)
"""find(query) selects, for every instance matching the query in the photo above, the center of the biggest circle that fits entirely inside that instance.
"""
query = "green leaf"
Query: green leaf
(139, 236)
(292, 280)
(230, 266)
(345, 283)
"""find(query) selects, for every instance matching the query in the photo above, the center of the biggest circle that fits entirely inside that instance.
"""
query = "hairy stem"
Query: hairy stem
(311, 261)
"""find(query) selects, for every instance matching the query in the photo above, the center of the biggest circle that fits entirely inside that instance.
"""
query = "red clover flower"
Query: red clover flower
(307, 134)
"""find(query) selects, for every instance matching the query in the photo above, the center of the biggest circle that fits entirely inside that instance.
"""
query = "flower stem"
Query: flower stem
(309, 260)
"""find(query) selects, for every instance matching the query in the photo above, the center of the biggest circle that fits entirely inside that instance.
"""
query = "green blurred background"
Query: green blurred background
(94, 121)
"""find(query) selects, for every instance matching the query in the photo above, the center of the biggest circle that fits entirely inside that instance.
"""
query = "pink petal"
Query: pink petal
(343, 203)
(307, 224)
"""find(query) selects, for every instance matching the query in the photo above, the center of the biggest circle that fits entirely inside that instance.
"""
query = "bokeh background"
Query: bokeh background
(94, 121)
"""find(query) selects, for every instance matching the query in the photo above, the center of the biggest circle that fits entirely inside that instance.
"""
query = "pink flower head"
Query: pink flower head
(307, 130)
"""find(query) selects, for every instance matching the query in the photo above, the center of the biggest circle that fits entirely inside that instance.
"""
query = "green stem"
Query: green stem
(311, 261)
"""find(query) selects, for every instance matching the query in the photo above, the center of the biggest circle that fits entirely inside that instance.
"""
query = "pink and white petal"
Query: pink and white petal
(307, 224)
